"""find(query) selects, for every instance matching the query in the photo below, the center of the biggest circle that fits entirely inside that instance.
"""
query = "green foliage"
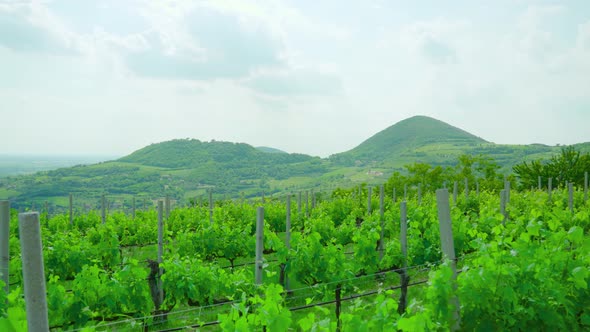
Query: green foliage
(258, 313)
(568, 166)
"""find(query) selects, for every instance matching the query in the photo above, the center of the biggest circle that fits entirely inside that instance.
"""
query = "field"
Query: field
(344, 268)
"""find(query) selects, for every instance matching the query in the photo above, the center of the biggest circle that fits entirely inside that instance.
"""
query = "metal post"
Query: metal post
(33, 272)
(405, 279)
(160, 248)
(394, 196)
(539, 182)
(550, 187)
(455, 192)
(299, 203)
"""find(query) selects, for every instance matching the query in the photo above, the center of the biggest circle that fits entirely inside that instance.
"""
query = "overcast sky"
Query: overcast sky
(315, 77)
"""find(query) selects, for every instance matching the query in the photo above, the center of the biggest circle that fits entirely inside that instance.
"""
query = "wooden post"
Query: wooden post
(539, 182)
(549, 187)
(103, 207)
(455, 192)
(160, 249)
(382, 222)
(211, 207)
(503, 205)
(404, 278)
(33, 272)
(259, 245)
(4, 243)
(369, 194)
(71, 210)
(448, 247)
(570, 187)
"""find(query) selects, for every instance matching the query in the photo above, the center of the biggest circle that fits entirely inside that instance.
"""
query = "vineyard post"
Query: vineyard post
(503, 205)
(46, 210)
(103, 206)
(312, 200)
(71, 209)
(549, 187)
(133, 208)
(288, 237)
(448, 247)
(585, 186)
(211, 206)
(507, 189)
(455, 192)
(570, 188)
(394, 196)
(405, 192)
(299, 203)
(263, 197)
(405, 280)
(539, 182)
(160, 249)
(259, 244)
(419, 193)
(466, 188)
(477, 189)
(33, 271)
(4, 242)
(369, 194)
(382, 221)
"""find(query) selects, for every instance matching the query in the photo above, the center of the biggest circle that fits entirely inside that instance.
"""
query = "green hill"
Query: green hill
(405, 137)
(187, 168)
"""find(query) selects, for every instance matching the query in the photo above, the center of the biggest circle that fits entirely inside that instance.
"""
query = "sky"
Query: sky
(316, 77)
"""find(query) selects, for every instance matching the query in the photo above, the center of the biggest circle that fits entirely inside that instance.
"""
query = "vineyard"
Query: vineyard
(353, 260)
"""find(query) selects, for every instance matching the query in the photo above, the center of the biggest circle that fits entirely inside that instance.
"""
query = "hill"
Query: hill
(185, 169)
(406, 137)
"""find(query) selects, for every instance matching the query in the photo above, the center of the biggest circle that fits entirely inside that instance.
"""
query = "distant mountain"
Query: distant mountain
(269, 150)
(187, 168)
(405, 137)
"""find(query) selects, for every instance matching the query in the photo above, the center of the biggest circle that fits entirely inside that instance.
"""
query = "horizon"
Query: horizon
(112, 77)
